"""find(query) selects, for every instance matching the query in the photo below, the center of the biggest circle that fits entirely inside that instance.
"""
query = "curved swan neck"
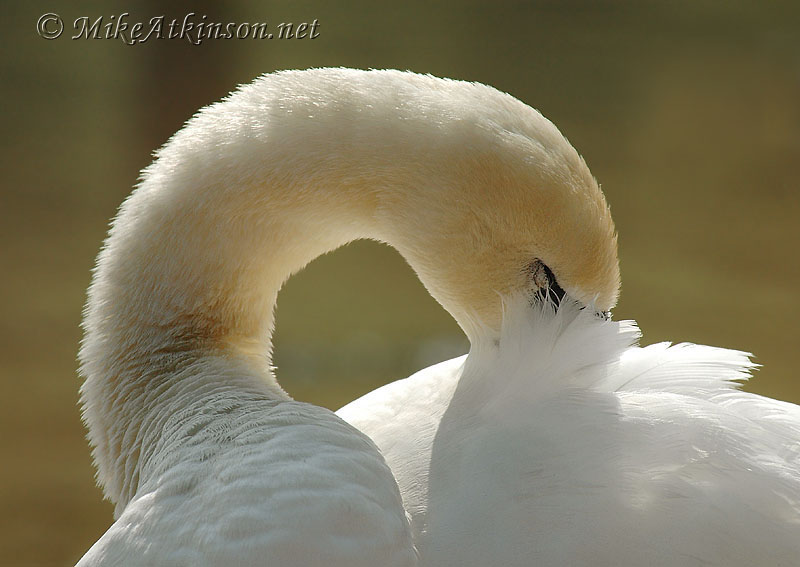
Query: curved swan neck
(467, 183)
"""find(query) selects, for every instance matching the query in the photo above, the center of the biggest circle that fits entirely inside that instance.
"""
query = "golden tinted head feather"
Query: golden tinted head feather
(507, 189)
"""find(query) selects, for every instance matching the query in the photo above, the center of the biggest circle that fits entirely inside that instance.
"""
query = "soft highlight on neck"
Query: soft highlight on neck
(293, 166)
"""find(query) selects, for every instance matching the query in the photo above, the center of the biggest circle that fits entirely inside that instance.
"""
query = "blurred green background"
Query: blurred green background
(687, 112)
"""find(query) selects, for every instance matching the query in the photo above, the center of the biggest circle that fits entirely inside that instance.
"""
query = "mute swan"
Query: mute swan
(556, 441)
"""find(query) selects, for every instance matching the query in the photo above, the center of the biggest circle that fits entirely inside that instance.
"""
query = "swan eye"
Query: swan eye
(547, 288)
(545, 283)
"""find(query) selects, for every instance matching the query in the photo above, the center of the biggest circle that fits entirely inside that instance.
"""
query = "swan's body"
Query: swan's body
(570, 446)
(554, 442)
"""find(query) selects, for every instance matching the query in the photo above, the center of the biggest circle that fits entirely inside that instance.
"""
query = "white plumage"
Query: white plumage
(569, 445)
(556, 441)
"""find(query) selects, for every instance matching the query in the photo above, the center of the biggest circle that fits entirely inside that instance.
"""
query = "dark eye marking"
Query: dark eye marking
(547, 287)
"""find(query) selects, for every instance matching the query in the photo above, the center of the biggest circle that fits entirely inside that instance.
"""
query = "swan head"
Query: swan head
(517, 214)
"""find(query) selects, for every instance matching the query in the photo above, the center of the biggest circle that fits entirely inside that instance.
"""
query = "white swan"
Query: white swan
(555, 442)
